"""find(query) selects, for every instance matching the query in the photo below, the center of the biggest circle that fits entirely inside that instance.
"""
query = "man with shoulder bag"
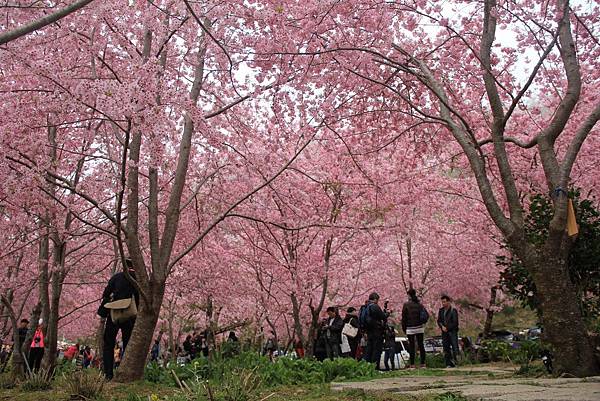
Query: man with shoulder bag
(119, 306)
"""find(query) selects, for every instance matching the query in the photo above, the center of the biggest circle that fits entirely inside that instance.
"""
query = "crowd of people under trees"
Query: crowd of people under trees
(366, 334)
(363, 334)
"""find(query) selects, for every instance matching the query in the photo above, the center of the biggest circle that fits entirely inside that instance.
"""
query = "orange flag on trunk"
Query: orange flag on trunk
(572, 228)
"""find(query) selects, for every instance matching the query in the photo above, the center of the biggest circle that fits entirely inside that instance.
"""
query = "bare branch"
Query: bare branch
(42, 22)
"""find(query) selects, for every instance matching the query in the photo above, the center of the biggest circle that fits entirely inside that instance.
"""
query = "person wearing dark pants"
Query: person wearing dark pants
(389, 347)
(36, 352)
(448, 323)
(333, 326)
(111, 330)
(118, 288)
(414, 318)
(415, 340)
(376, 319)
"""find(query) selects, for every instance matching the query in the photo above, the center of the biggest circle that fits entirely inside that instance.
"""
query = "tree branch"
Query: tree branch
(42, 22)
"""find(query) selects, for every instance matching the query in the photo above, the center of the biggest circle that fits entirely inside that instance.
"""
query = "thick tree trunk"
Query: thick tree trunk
(51, 338)
(100, 339)
(562, 319)
(134, 361)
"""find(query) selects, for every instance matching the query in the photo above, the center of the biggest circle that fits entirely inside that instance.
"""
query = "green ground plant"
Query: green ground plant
(84, 384)
(40, 380)
(284, 371)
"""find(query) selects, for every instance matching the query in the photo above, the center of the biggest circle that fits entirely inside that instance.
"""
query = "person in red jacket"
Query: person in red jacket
(71, 352)
(36, 352)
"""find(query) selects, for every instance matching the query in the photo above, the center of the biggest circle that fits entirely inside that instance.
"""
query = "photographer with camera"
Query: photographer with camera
(373, 320)
(36, 352)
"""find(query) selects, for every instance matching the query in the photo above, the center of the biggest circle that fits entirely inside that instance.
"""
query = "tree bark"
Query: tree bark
(51, 339)
(141, 339)
(489, 313)
(562, 319)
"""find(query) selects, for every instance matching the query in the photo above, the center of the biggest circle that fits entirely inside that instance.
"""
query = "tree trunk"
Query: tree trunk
(100, 339)
(134, 361)
(489, 313)
(562, 319)
(51, 339)
(43, 255)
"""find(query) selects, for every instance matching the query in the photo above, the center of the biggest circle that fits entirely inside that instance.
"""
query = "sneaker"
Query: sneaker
(422, 366)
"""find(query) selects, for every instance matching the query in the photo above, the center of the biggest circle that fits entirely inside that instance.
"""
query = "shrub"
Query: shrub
(65, 367)
(37, 381)
(7, 382)
(241, 385)
(284, 371)
(494, 351)
(84, 385)
(435, 361)
(531, 370)
(526, 353)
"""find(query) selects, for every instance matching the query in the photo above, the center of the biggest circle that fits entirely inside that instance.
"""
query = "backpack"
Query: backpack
(364, 318)
(423, 315)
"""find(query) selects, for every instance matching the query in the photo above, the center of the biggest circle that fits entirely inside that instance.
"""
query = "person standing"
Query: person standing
(352, 320)
(270, 346)
(87, 357)
(414, 317)
(118, 288)
(333, 333)
(155, 351)
(299, 348)
(23, 331)
(389, 347)
(448, 323)
(374, 323)
(36, 352)
(188, 346)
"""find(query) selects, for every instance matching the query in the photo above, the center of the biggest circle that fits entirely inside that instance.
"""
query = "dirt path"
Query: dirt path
(486, 383)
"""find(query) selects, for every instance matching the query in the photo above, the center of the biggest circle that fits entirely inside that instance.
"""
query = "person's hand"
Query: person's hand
(444, 329)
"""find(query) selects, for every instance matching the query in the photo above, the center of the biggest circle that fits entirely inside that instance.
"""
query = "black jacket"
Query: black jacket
(22, 335)
(377, 318)
(411, 315)
(118, 287)
(334, 330)
(449, 319)
(352, 319)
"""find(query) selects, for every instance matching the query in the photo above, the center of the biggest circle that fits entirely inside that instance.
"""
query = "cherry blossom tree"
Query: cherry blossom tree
(534, 92)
